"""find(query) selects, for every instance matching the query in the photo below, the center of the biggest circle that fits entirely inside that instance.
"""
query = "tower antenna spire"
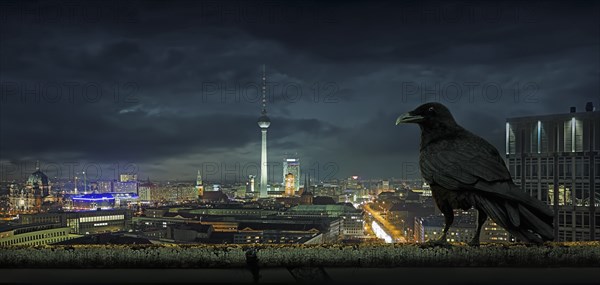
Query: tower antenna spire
(264, 91)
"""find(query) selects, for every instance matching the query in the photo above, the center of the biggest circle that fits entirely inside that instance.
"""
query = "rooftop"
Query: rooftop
(323, 208)
(279, 226)
(561, 116)
(106, 239)
(33, 227)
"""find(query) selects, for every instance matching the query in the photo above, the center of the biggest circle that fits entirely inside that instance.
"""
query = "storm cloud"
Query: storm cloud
(171, 86)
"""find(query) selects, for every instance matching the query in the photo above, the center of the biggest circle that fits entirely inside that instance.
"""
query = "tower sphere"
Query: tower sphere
(264, 122)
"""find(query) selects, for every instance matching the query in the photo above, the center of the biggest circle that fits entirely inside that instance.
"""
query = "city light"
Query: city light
(380, 233)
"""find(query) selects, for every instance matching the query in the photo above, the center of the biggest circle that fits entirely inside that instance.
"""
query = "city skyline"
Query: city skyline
(311, 141)
(162, 109)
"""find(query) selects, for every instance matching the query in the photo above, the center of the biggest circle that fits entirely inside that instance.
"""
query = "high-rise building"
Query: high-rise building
(147, 191)
(125, 187)
(292, 166)
(264, 122)
(127, 177)
(250, 186)
(385, 185)
(556, 158)
(127, 184)
(105, 186)
(289, 185)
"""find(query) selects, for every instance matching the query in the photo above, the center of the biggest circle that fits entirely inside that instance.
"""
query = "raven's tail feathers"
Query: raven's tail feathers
(523, 221)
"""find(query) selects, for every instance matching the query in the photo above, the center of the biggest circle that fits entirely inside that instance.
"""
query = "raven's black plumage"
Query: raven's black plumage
(466, 171)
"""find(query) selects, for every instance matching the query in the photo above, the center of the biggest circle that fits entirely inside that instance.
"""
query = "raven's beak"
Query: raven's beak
(408, 118)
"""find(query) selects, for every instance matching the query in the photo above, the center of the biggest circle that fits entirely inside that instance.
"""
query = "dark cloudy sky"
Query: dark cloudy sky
(164, 88)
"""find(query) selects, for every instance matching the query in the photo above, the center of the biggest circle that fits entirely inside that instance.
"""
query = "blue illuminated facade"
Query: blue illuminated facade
(103, 201)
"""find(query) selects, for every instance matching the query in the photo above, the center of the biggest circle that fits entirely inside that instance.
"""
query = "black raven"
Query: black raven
(466, 171)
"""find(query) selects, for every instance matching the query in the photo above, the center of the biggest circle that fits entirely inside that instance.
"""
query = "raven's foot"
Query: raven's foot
(439, 242)
(474, 242)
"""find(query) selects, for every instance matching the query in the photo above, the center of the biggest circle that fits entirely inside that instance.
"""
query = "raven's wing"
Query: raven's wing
(462, 160)
(471, 163)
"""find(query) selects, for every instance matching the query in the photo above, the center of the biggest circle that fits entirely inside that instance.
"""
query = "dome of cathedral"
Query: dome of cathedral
(39, 178)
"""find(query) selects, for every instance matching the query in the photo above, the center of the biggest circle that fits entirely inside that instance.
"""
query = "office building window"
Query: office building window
(510, 139)
(596, 136)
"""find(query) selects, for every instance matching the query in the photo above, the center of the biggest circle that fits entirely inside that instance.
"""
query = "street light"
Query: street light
(84, 183)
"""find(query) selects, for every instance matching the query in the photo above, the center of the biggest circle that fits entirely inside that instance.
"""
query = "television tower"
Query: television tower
(264, 122)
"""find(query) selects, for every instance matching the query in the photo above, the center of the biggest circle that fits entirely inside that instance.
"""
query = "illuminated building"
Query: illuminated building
(556, 159)
(199, 185)
(402, 215)
(99, 222)
(263, 225)
(83, 223)
(492, 232)
(102, 201)
(290, 187)
(354, 190)
(170, 193)
(125, 186)
(264, 122)
(147, 190)
(351, 219)
(424, 191)
(34, 234)
(385, 185)
(232, 211)
(327, 189)
(106, 239)
(125, 200)
(127, 183)
(353, 183)
(276, 191)
(40, 181)
(89, 202)
(277, 233)
(430, 228)
(250, 186)
(105, 186)
(128, 178)
(292, 166)
(240, 191)
(32, 195)
(180, 192)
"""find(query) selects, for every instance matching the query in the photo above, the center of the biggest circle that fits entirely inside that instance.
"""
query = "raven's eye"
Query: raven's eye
(430, 110)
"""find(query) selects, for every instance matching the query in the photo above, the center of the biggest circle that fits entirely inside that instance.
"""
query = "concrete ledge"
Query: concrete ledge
(337, 275)
(585, 254)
